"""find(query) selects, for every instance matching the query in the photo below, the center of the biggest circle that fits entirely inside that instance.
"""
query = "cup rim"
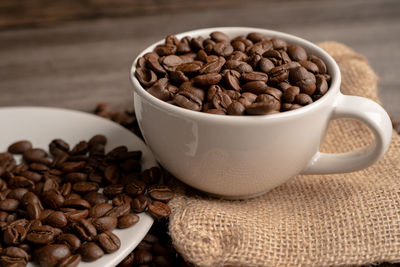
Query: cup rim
(333, 70)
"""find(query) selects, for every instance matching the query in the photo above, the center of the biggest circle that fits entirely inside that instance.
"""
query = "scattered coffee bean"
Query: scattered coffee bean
(254, 64)
(51, 207)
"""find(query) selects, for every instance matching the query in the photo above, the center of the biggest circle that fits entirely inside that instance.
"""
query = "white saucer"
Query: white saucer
(40, 125)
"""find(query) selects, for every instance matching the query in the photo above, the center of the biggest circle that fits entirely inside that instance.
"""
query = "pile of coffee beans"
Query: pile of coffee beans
(246, 75)
(60, 208)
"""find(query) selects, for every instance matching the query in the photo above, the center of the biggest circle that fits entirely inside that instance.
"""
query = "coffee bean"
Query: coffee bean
(53, 200)
(100, 210)
(135, 188)
(303, 99)
(56, 219)
(9, 204)
(13, 256)
(76, 215)
(207, 79)
(310, 66)
(95, 198)
(296, 53)
(290, 94)
(17, 193)
(50, 255)
(85, 229)
(112, 174)
(43, 234)
(321, 85)
(262, 108)
(320, 64)
(119, 211)
(127, 220)
(255, 87)
(71, 240)
(79, 203)
(121, 199)
(159, 210)
(139, 204)
(34, 211)
(19, 147)
(160, 192)
(105, 223)
(85, 187)
(235, 108)
(14, 235)
(143, 257)
(302, 78)
(90, 251)
(71, 261)
(109, 241)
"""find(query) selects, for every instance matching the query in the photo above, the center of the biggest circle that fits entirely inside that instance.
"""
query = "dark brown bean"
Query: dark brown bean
(50, 255)
(100, 210)
(71, 240)
(296, 52)
(43, 234)
(160, 192)
(71, 261)
(139, 204)
(159, 209)
(90, 251)
(85, 229)
(109, 241)
(127, 220)
(13, 256)
(19, 147)
(105, 223)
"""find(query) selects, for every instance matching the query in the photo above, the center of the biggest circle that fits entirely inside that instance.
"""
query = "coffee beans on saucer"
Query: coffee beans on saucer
(59, 208)
(246, 75)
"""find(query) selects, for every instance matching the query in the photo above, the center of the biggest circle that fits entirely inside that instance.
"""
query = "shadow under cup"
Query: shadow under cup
(236, 156)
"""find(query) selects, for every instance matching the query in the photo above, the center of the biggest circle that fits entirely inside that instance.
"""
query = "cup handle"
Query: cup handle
(375, 117)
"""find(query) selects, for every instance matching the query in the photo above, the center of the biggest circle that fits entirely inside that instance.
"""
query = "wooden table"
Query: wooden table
(78, 64)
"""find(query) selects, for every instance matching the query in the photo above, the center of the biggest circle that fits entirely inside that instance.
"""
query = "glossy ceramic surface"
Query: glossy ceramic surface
(243, 156)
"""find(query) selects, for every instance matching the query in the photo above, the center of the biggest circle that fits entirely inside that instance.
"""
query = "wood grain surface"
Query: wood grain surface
(78, 64)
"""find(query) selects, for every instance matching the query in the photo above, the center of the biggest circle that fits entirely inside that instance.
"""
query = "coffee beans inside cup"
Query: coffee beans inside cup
(59, 208)
(246, 75)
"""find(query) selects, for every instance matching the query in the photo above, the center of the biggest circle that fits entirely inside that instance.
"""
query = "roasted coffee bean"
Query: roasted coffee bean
(146, 76)
(36, 155)
(33, 176)
(75, 177)
(302, 78)
(109, 241)
(235, 108)
(95, 198)
(79, 203)
(112, 174)
(73, 166)
(321, 85)
(105, 223)
(20, 147)
(90, 251)
(80, 149)
(71, 240)
(56, 219)
(290, 94)
(17, 193)
(33, 211)
(85, 187)
(13, 256)
(303, 99)
(263, 108)
(320, 64)
(121, 199)
(143, 257)
(14, 235)
(310, 66)
(100, 210)
(85, 229)
(160, 192)
(159, 209)
(255, 87)
(127, 220)
(76, 215)
(9, 204)
(139, 203)
(296, 52)
(113, 190)
(53, 200)
(119, 211)
(50, 255)
(43, 234)
(135, 188)
(71, 261)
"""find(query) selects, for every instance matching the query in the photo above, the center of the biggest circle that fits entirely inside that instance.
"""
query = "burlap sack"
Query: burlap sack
(321, 220)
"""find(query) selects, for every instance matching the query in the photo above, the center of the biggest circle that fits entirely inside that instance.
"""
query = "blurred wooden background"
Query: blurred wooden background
(76, 53)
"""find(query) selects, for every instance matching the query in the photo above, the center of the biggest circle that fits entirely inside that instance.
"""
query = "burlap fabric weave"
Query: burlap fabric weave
(319, 220)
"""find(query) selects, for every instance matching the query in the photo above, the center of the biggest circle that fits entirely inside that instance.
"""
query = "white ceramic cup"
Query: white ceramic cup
(245, 156)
